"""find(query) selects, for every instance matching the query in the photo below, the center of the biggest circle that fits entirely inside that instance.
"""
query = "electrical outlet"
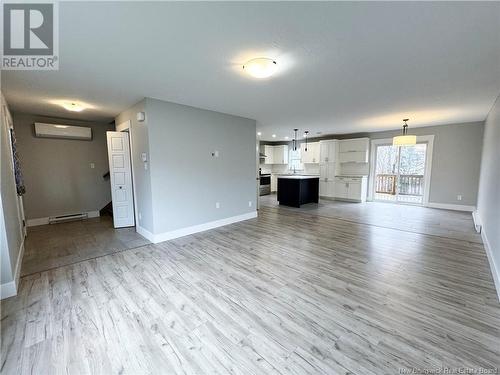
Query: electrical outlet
(249, 203)
(459, 197)
(217, 204)
(140, 216)
(92, 165)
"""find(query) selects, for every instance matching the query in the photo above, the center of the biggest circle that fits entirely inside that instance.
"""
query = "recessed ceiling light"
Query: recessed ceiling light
(261, 67)
(286, 137)
(259, 133)
(274, 136)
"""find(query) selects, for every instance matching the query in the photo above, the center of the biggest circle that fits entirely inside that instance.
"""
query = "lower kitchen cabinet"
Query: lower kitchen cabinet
(351, 188)
(274, 183)
(326, 188)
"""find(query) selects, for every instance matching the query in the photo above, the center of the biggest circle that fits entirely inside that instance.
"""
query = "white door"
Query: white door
(121, 179)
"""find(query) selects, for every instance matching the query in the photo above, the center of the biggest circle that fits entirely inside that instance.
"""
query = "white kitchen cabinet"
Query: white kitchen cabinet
(327, 151)
(341, 189)
(326, 188)
(268, 150)
(354, 150)
(327, 180)
(275, 154)
(351, 188)
(280, 154)
(353, 157)
(274, 183)
(353, 145)
(312, 153)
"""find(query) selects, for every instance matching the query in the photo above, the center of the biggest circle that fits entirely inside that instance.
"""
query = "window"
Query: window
(294, 160)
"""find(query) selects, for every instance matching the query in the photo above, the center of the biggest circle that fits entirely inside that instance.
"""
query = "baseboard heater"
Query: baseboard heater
(64, 218)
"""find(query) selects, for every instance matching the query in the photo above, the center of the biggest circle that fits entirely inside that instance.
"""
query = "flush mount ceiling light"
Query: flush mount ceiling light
(261, 67)
(259, 134)
(274, 136)
(404, 139)
(71, 105)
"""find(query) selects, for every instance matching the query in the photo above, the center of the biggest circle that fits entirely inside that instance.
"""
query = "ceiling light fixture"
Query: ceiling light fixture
(404, 139)
(286, 137)
(294, 141)
(259, 134)
(305, 136)
(73, 106)
(261, 67)
(274, 136)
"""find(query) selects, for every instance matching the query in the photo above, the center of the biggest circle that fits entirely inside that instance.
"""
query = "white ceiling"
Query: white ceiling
(344, 67)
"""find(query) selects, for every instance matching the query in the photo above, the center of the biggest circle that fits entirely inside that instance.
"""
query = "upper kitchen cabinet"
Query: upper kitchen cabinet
(280, 154)
(312, 153)
(327, 151)
(274, 154)
(268, 152)
(354, 150)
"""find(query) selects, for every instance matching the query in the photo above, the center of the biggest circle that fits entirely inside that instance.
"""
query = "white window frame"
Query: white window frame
(429, 139)
(290, 164)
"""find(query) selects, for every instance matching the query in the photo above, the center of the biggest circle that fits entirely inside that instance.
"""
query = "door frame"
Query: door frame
(126, 126)
(429, 139)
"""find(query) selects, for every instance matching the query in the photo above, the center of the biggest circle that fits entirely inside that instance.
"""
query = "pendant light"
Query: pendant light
(404, 139)
(294, 141)
(305, 136)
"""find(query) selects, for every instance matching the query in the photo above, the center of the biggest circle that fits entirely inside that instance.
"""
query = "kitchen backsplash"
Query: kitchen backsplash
(283, 168)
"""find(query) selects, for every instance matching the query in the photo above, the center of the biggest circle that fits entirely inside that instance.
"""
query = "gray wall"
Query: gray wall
(57, 172)
(142, 179)
(186, 180)
(456, 159)
(489, 185)
(11, 236)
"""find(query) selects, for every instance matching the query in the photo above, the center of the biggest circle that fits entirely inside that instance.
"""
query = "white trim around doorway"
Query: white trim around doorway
(429, 139)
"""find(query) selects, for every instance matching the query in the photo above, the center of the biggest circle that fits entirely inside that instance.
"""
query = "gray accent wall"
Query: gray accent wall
(57, 172)
(488, 208)
(183, 181)
(186, 179)
(456, 159)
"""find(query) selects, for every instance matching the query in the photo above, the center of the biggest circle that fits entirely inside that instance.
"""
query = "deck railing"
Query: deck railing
(409, 184)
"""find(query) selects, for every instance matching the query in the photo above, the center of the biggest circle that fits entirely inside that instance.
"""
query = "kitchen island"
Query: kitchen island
(294, 190)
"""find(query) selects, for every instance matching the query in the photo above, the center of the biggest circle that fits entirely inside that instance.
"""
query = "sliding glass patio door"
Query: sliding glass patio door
(400, 173)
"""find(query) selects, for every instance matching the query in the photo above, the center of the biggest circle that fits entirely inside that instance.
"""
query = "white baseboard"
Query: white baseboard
(495, 268)
(144, 233)
(477, 221)
(92, 214)
(454, 207)
(10, 289)
(199, 228)
(45, 220)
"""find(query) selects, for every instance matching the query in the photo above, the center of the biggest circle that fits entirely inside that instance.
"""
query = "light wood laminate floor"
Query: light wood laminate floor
(286, 293)
(56, 245)
(412, 218)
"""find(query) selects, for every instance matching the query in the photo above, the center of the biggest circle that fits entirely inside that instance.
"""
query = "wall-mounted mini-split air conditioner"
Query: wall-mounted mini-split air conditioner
(43, 130)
